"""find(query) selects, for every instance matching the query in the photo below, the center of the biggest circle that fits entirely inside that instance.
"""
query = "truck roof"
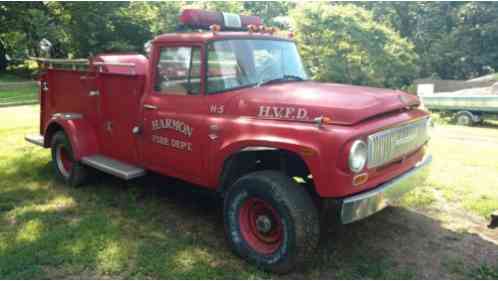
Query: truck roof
(202, 37)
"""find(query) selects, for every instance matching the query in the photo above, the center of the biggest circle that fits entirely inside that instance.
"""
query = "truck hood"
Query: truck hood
(304, 101)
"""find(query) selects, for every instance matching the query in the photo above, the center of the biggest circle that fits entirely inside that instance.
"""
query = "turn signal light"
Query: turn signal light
(360, 179)
(215, 28)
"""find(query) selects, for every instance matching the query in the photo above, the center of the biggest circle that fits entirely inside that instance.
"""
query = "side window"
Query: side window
(223, 70)
(178, 71)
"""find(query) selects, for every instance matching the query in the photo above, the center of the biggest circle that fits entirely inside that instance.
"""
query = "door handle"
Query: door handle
(136, 130)
(150, 107)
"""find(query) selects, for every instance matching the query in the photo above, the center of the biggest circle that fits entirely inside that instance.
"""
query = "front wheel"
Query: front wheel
(271, 221)
(68, 170)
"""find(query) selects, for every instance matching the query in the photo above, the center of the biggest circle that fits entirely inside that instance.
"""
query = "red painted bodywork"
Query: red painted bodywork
(355, 112)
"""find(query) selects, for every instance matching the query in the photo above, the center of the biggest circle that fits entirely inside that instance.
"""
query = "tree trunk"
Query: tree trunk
(3, 59)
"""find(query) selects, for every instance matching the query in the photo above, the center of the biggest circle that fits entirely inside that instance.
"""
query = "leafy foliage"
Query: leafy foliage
(343, 43)
(382, 44)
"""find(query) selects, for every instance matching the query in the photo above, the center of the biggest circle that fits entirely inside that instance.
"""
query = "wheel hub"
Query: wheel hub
(463, 119)
(263, 224)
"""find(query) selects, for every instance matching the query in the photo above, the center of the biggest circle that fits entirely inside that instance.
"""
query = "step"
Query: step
(35, 139)
(113, 166)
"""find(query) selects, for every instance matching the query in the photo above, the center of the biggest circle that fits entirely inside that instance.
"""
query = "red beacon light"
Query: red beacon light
(201, 19)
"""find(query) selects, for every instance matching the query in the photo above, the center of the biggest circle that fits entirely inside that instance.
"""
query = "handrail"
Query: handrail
(72, 62)
(76, 62)
(62, 61)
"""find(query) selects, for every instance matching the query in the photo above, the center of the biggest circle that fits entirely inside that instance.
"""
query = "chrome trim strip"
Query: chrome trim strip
(257, 148)
(368, 203)
(93, 93)
(67, 115)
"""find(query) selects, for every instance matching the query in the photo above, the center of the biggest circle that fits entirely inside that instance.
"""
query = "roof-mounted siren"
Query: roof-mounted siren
(200, 19)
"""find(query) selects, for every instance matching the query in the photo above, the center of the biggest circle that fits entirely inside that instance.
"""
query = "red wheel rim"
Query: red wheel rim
(64, 161)
(261, 226)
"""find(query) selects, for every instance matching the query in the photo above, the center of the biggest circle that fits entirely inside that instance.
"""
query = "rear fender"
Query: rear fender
(81, 134)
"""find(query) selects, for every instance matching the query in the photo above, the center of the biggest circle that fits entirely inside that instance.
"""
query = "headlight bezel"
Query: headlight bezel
(358, 146)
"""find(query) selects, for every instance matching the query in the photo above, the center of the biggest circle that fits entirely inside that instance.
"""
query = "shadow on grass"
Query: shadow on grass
(487, 124)
(157, 227)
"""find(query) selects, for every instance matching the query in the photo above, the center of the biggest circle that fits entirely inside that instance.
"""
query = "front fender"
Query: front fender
(307, 151)
(81, 134)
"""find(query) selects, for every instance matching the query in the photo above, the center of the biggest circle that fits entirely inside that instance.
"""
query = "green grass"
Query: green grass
(156, 228)
(19, 94)
(11, 77)
(466, 173)
(50, 231)
(484, 272)
(464, 170)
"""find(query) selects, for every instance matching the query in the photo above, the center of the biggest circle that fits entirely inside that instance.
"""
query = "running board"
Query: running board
(35, 139)
(113, 166)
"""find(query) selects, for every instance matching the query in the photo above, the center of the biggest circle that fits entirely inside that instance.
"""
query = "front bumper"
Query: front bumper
(368, 203)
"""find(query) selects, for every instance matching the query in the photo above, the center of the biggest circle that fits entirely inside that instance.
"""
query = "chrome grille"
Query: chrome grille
(393, 143)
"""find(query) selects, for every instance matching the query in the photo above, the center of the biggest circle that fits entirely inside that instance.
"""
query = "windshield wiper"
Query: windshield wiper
(286, 77)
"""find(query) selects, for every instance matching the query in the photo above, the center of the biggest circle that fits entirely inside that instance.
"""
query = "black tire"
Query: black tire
(73, 175)
(464, 119)
(293, 209)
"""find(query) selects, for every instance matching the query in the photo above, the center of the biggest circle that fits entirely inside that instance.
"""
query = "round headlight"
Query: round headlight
(358, 156)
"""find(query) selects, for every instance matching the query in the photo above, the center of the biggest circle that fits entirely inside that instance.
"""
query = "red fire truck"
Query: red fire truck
(232, 109)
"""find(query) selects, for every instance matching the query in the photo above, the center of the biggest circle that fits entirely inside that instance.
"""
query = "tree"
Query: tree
(343, 43)
(96, 27)
(3, 58)
(475, 38)
(267, 10)
(427, 25)
(167, 17)
(26, 24)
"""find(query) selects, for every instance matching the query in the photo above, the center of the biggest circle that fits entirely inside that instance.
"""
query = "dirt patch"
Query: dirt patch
(417, 243)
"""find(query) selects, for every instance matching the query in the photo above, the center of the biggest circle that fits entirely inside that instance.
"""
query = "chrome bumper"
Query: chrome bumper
(365, 204)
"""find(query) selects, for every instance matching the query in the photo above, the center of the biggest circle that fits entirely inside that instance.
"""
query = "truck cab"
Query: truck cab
(232, 109)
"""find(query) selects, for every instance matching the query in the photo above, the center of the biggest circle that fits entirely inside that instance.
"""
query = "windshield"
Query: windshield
(251, 62)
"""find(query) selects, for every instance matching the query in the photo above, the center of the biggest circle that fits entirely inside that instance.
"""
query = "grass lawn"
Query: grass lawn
(464, 171)
(21, 94)
(10, 77)
(18, 94)
(156, 227)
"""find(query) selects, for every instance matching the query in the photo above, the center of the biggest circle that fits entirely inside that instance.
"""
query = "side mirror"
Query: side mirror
(45, 48)
(148, 48)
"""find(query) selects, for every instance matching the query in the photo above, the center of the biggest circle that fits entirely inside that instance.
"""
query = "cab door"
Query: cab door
(174, 126)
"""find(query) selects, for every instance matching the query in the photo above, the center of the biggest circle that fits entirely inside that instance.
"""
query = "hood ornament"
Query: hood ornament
(322, 120)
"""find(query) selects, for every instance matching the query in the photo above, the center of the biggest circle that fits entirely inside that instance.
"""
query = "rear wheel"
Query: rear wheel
(464, 119)
(271, 221)
(66, 168)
